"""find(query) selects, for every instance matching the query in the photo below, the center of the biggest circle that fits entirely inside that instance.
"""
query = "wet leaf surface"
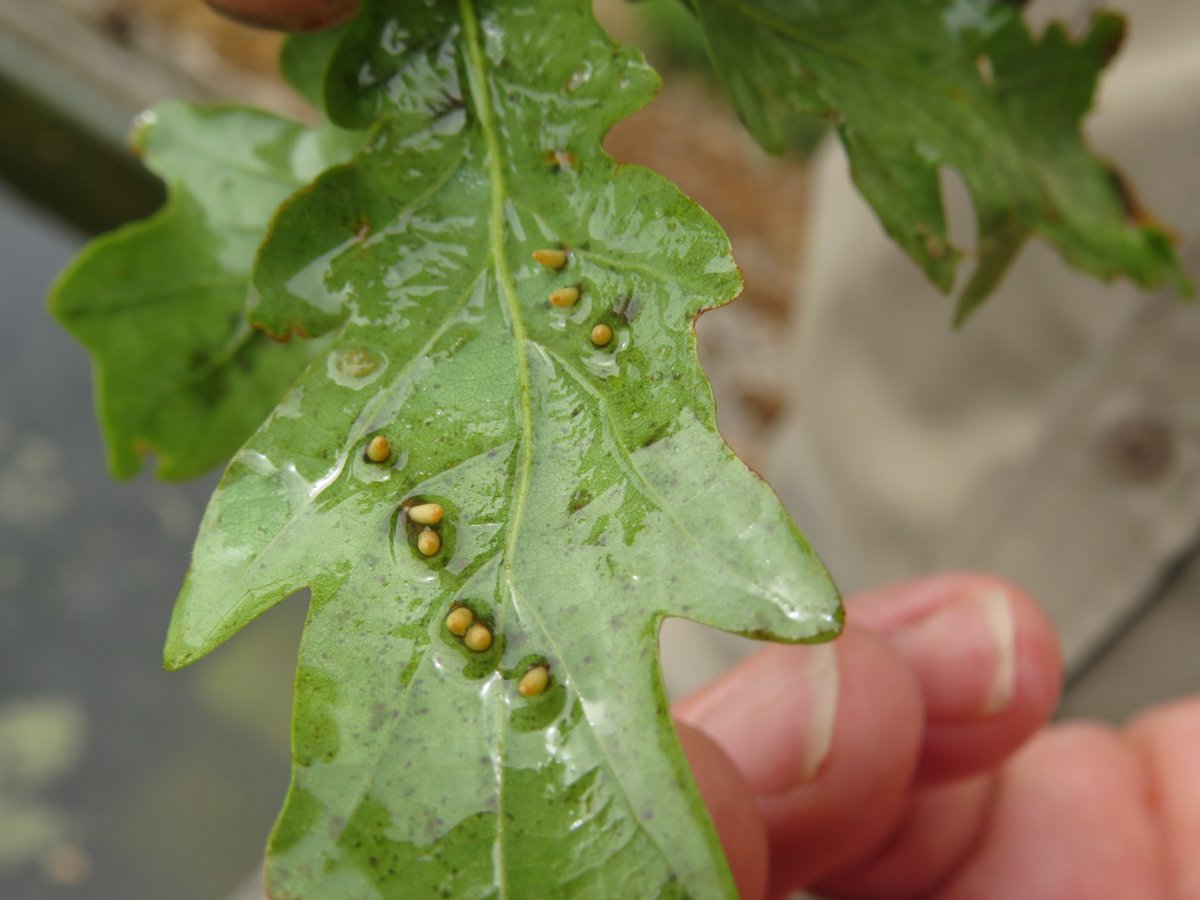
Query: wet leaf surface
(586, 491)
(160, 303)
(917, 86)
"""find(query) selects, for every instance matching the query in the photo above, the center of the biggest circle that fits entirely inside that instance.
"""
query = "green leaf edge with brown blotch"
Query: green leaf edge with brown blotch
(160, 303)
(914, 86)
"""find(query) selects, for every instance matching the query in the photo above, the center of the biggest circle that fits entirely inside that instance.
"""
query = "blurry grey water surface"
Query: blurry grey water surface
(117, 780)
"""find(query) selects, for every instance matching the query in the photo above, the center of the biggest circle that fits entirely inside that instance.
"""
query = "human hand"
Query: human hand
(910, 759)
(287, 15)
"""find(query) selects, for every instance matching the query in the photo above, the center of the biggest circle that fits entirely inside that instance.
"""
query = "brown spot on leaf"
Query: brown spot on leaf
(560, 159)
(1135, 213)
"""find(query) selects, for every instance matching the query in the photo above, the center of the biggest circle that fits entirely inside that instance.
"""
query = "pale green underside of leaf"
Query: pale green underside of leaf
(587, 491)
(914, 86)
(160, 303)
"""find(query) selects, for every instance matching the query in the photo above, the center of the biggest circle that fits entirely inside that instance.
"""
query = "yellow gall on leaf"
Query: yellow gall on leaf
(426, 513)
(379, 449)
(459, 620)
(478, 637)
(601, 335)
(551, 259)
(533, 682)
(429, 542)
(564, 297)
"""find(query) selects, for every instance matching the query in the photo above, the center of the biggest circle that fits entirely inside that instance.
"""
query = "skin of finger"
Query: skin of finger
(857, 795)
(954, 666)
(1071, 819)
(744, 710)
(1167, 741)
(286, 15)
(941, 827)
(733, 809)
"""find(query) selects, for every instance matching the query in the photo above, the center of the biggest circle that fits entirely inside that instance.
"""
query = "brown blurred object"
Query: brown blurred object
(186, 43)
(168, 28)
(287, 15)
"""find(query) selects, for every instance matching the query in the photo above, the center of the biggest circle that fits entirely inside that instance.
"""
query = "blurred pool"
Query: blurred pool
(117, 780)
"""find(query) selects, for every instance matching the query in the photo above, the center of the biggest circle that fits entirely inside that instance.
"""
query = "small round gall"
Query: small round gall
(602, 335)
(459, 620)
(379, 449)
(478, 637)
(551, 259)
(533, 682)
(564, 297)
(426, 513)
(429, 542)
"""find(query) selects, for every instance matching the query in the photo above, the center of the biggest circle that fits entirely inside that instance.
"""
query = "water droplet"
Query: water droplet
(579, 77)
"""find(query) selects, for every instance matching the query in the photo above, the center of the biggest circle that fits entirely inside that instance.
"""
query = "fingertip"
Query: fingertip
(942, 826)
(855, 800)
(827, 737)
(1165, 740)
(1176, 723)
(987, 659)
(1070, 820)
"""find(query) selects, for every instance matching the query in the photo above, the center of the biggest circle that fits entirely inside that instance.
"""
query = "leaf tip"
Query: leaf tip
(175, 659)
(178, 652)
(1107, 34)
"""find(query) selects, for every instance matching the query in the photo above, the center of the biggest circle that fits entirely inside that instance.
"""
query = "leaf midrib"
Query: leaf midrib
(481, 101)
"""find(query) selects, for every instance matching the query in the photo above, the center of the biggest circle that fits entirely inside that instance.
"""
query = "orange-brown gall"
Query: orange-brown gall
(602, 335)
(459, 620)
(534, 681)
(429, 542)
(426, 513)
(551, 259)
(379, 449)
(478, 637)
(564, 297)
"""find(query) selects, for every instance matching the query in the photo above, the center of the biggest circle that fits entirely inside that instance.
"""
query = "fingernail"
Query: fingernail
(964, 655)
(786, 698)
(1002, 625)
(822, 715)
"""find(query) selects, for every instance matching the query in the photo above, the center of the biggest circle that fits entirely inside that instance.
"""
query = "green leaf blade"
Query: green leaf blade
(918, 86)
(587, 493)
(159, 304)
